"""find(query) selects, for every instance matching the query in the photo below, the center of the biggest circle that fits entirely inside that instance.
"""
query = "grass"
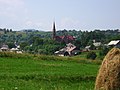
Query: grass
(46, 73)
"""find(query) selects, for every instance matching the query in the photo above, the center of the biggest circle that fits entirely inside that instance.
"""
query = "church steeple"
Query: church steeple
(54, 31)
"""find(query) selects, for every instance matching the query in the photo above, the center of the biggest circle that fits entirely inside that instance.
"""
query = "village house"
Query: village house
(4, 48)
(87, 48)
(16, 50)
(114, 43)
(69, 50)
(97, 44)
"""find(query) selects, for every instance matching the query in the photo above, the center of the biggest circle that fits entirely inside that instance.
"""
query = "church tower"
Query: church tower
(54, 31)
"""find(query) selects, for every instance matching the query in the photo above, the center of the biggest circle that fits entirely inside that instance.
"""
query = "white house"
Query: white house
(15, 50)
(97, 44)
(115, 43)
(87, 48)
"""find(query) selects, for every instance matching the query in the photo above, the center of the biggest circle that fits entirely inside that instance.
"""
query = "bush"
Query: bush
(91, 55)
(104, 51)
(14, 55)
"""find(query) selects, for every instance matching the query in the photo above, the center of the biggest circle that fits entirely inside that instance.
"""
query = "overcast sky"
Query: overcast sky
(68, 14)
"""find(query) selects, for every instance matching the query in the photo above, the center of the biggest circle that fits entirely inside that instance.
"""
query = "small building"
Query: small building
(62, 52)
(16, 50)
(97, 44)
(69, 50)
(87, 48)
(114, 43)
(5, 48)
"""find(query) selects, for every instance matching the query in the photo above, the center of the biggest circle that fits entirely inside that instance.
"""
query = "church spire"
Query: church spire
(54, 31)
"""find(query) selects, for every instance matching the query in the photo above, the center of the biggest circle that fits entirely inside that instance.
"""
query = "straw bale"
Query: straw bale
(108, 77)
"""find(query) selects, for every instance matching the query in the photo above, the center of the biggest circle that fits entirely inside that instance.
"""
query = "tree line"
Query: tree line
(41, 42)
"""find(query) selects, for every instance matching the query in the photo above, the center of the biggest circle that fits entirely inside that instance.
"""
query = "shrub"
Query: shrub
(15, 55)
(92, 47)
(104, 51)
(91, 55)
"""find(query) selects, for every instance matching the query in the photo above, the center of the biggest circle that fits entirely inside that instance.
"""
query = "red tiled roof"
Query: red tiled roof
(67, 38)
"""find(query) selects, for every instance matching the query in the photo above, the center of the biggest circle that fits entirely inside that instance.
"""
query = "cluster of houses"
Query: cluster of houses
(5, 48)
(71, 50)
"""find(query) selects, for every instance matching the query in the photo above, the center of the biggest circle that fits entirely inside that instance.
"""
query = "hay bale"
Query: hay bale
(109, 73)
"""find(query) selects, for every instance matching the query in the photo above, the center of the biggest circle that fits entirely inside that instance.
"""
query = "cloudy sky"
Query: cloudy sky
(68, 14)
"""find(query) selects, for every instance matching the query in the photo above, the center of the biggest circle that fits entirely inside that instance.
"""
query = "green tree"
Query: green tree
(91, 55)
(92, 47)
(38, 41)
(104, 51)
(5, 31)
(10, 30)
(11, 45)
(23, 45)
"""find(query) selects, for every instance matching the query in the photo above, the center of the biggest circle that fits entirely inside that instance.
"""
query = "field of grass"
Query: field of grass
(19, 72)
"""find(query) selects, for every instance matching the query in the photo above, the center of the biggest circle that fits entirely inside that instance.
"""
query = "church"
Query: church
(65, 38)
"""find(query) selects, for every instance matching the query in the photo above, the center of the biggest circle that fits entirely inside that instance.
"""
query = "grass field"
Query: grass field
(46, 73)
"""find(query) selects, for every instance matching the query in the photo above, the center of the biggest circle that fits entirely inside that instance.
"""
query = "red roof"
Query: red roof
(66, 38)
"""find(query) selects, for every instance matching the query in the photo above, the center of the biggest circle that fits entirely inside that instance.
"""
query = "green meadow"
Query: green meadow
(40, 72)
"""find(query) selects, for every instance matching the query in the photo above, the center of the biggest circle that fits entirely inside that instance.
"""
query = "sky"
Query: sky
(68, 14)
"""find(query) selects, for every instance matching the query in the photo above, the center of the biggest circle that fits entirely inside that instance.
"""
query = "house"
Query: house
(62, 52)
(87, 48)
(97, 44)
(5, 48)
(16, 50)
(69, 50)
(115, 43)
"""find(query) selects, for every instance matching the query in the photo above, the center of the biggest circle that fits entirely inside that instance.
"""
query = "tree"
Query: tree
(91, 55)
(104, 51)
(5, 31)
(77, 43)
(92, 47)
(11, 45)
(10, 30)
(38, 41)
(23, 45)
